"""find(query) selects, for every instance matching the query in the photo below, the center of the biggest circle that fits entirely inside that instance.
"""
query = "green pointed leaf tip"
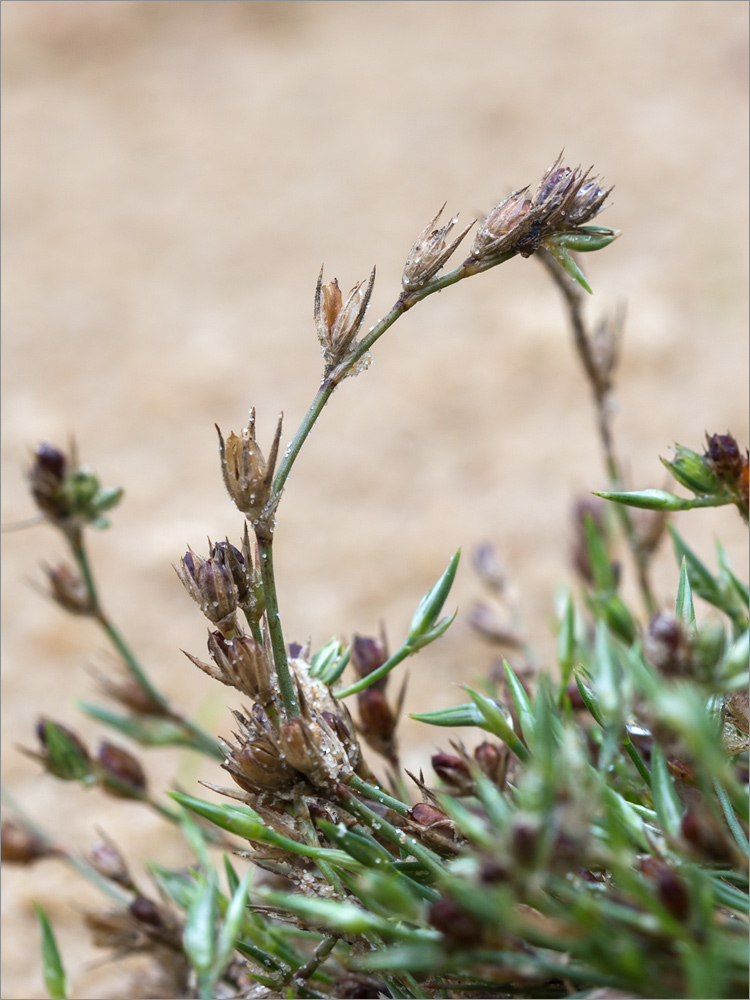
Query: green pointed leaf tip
(587, 239)
(646, 499)
(566, 262)
(55, 980)
(666, 801)
(459, 715)
(432, 603)
(684, 605)
(232, 925)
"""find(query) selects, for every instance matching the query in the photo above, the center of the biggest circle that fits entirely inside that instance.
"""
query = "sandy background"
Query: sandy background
(174, 175)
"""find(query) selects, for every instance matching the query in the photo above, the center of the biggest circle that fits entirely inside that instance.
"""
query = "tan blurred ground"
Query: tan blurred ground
(174, 175)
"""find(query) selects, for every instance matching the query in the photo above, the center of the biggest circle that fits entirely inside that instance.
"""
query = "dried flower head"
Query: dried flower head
(430, 252)
(338, 322)
(242, 663)
(256, 763)
(565, 199)
(248, 476)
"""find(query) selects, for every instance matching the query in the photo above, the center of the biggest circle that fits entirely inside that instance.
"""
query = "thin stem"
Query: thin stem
(365, 682)
(601, 388)
(378, 795)
(331, 381)
(204, 742)
(286, 686)
(640, 765)
(429, 859)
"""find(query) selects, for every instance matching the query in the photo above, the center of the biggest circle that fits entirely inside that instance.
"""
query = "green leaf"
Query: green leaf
(684, 606)
(55, 980)
(586, 239)
(566, 262)
(601, 564)
(199, 934)
(432, 603)
(230, 930)
(590, 700)
(497, 721)
(179, 886)
(144, 729)
(608, 680)
(660, 500)
(740, 588)
(522, 702)
(566, 643)
(666, 801)
(459, 715)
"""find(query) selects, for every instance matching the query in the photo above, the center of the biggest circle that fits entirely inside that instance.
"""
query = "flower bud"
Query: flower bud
(211, 585)
(367, 655)
(248, 476)
(724, 455)
(63, 752)
(68, 494)
(459, 928)
(436, 829)
(430, 253)
(694, 471)
(21, 846)
(242, 663)
(670, 888)
(108, 861)
(46, 478)
(493, 761)
(454, 772)
(146, 912)
(67, 589)
(338, 322)
(667, 646)
(121, 773)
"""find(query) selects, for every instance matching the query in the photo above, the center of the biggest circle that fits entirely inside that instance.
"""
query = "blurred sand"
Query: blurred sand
(174, 175)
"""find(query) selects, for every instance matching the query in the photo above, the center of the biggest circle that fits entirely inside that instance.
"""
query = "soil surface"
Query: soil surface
(174, 176)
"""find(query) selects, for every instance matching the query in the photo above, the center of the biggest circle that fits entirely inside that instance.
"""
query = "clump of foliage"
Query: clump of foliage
(593, 842)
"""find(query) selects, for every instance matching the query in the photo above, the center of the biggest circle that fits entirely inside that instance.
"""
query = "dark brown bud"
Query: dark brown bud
(377, 720)
(459, 928)
(21, 846)
(67, 589)
(146, 912)
(724, 455)
(128, 692)
(493, 870)
(670, 888)
(367, 655)
(248, 476)
(493, 761)
(706, 837)
(46, 477)
(436, 828)
(668, 646)
(356, 986)
(454, 771)
(525, 842)
(121, 773)
(108, 861)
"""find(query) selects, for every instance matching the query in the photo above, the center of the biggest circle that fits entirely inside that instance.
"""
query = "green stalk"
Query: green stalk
(378, 795)
(203, 740)
(381, 671)
(286, 685)
(324, 393)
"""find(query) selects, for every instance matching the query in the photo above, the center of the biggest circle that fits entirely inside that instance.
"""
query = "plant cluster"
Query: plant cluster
(592, 844)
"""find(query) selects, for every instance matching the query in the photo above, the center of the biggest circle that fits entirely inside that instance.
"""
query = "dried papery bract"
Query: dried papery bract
(248, 476)
(430, 252)
(338, 322)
